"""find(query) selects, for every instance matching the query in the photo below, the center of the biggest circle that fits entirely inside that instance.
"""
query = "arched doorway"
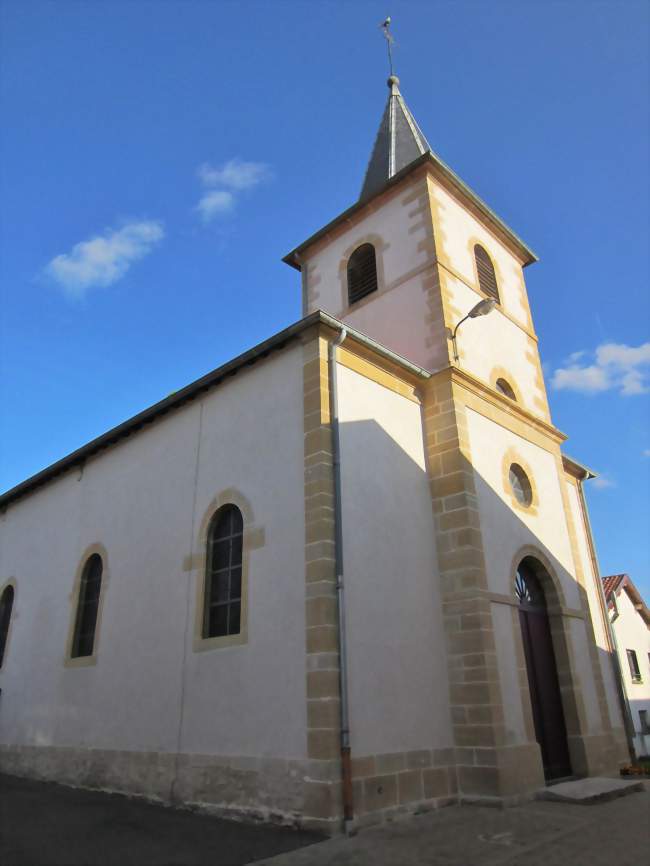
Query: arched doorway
(545, 698)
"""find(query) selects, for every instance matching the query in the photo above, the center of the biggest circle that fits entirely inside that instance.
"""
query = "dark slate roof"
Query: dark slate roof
(399, 142)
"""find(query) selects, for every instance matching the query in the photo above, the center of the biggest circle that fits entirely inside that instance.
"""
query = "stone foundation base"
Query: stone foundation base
(307, 793)
(260, 789)
(598, 754)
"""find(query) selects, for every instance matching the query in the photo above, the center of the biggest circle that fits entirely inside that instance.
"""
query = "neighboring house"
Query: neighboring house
(348, 572)
(630, 620)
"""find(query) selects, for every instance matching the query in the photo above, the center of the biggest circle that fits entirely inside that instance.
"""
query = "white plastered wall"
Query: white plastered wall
(633, 634)
(496, 340)
(595, 607)
(139, 499)
(397, 315)
(397, 659)
(505, 530)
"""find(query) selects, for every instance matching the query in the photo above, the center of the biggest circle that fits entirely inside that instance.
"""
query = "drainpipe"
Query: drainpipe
(346, 763)
(616, 663)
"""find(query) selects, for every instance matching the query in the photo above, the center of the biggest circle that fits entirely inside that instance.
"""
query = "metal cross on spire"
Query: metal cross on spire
(385, 26)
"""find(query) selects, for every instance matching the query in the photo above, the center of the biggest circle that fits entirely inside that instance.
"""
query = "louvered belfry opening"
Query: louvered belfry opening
(362, 273)
(487, 279)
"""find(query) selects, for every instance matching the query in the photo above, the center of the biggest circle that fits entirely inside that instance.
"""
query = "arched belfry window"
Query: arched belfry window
(6, 606)
(90, 587)
(487, 278)
(362, 273)
(223, 579)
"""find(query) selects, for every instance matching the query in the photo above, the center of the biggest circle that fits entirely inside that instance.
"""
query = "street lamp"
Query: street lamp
(481, 309)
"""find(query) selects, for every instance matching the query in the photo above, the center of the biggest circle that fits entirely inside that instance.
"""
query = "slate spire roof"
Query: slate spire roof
(399, 142)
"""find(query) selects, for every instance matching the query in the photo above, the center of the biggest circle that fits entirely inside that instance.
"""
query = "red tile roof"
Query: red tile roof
(615, 583)
(611, 583)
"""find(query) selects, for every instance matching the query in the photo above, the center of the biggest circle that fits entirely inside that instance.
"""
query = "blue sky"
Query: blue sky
(159, 158)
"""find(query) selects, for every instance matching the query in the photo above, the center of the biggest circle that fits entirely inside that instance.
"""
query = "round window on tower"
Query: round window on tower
(520, 485)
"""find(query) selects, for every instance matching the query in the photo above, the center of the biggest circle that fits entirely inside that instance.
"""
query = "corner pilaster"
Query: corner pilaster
(322, 787)
(486, 766)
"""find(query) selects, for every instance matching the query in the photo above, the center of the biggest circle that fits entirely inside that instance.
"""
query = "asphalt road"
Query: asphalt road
(43, 824)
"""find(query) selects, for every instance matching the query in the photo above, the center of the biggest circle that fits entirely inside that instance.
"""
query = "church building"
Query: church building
(345, 575)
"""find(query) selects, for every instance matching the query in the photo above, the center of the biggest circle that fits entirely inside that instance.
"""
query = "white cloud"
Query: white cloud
(105, 258)
(224, 184)
(602, 482)
(235, 174)
(216, 201)
(616, 367)
(574, 378)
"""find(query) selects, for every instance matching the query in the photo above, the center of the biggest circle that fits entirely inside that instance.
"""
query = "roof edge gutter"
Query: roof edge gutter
(191, 391)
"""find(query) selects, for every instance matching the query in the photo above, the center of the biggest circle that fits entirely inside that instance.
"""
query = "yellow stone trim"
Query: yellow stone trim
(501, 373)
(440, 301)
(451, 270)
(322, 685)
(522, 676)
(73, 598)
(512, 456)
(477, 395)
(376, 374)
(406, 185)
(11, 582)
(437, 176)
(577, 723)
(581, 580)
(253, 538)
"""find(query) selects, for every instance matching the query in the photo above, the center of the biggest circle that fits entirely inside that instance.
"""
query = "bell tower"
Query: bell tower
(432, 249)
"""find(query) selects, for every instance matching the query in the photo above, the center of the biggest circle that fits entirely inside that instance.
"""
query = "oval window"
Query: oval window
(504, 387)
(520, 485)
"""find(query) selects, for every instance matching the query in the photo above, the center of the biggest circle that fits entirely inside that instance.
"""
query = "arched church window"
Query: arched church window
(6, 605)
(90, 587)
(362, 273)
(223, 579)
(504, 387)
(487, 278)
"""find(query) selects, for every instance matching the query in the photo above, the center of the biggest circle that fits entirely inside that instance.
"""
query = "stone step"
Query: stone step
(595, 789)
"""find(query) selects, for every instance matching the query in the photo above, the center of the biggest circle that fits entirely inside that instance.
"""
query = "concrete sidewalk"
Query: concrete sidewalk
(615, 833)
(42, 824)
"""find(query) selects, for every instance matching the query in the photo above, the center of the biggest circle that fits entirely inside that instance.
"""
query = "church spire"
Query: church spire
(399, 139)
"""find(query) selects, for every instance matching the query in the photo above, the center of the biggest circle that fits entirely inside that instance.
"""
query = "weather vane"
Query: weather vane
(385, 26)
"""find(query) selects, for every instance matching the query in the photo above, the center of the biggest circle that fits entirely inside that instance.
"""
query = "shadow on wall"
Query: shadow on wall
(397, 654)
(392, 489)
(392, 580)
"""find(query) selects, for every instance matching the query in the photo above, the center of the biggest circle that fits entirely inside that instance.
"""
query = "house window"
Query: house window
(487, 279)
(362, 273)
(520, 485)
(633, 662)
(643, 719)
(6, 605)
(83, 642)
(223, 580)
(504, 387)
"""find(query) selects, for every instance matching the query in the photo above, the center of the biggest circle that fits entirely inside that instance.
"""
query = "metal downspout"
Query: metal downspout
(616, 664)
(346, 763)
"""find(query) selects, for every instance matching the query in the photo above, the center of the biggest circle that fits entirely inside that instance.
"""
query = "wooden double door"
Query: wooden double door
(545, 698)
